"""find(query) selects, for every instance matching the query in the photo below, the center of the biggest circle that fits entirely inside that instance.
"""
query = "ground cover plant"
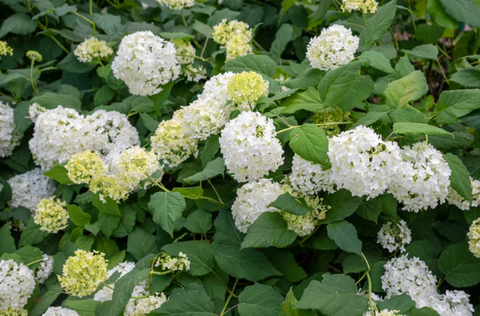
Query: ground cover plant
(239, 157)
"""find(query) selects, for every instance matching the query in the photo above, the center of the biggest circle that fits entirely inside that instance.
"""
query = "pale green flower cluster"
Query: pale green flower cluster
(177, 4)
(91, 49)
(51, 215)
(169, 263)
(5, 49)
(246, 88)
(366, 6)
(335, 115)
(474, 238)
(135, 165)
(34, 56)
(83, 273)
(83, 167)
(235, 36)
(13, 312)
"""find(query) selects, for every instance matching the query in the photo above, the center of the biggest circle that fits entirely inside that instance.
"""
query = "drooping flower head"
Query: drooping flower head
(366, 6)
(246, 88)
(34, 56)
(145, 62)
(457, 200)
(334, 47)
(17, 283)
(235, 36)
(250, 147)
(9, 139)
(474, 238)
(394, 237)
(29, 188)
(309, 178)
(91, 49)
(84, 166)
(177, 4)
(51, 215)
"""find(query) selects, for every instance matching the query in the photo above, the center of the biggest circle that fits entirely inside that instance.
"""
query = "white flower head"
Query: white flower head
(144, 306)
(9, 139)
(250, 147)
(394, 237)
(45, 269)
(91, 49)
(455, 199)
(177, 4)
(29, 188)
(60, 311)
(366, 6)
(194, 73)
(145, 62)
(309, 178)
(334, 47)
(453, 303)
(217, 88)
(474, 238)
(17, 283)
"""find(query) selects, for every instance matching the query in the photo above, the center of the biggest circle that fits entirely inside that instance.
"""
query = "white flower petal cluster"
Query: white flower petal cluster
(144, 62)
(122, 268)
(334, 47)
(134, 165)
(453, 303)
(29, 188)
(250, 147)
(309, 178)
(246, 88)
(252, 200)
(361, 162)
(455, 198)
(45, 269)
(235, 36)
(217, 88)
(91, 49)
(366, 6)
(17, 283)
(194, 74)
(394, 237)
(9, 139)
(474, 238)
(167, 262)
(185, 52)
(144, 306)
(60, 311)
(384, 312)
(177, 4)
(62, 132)
(422, 179)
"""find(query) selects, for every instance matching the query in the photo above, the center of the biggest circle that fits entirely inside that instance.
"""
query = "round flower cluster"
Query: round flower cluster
(171, 144)
(455, 198)
(34, 56)
(17, 283)
(92, 49)
(134, 165)
(51, 215)
(235, 36)
(169, 263)
(84, 166)
(5, 49)
(61, 133)
(252, 200)
(83, 273)
(9, 139)
(474, 238)
(246, 88)
(334, 47)
(361, 162)
(217, 88)
(14, 312)
(145, 305)
(384, 312)
(45, 269)
(394, 237)
(309, 178)
(250, 147)
(366, 6)
(144, 62)
(60, 311)
(29, 188)
(453, 303)
(185, 52)
(177, 4)
(422, 179)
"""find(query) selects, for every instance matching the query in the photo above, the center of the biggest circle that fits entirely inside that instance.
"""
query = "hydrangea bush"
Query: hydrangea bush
(239, 157)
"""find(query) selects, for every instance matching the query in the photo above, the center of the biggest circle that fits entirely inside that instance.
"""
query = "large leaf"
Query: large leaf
(258, 63)
(166, 208)
(345, 236)
(198, 252)
(456, 103)
(417, 129)
(436, 9)
(463, 11)
(51, 100)
(460, 267)
(213, 168)
(260, 300)
(308, 100)
(282, 38)
(342, 204)
(402, 91)
(78, 216)
(336, 295)
(140, 243)
(401, 303)
(8, 243)
(428, 51)
(290, 204)
(290, 304)
(19, 23)
(268, 230)
(468, 77)
(376, 60)
(378, 24)
(311, 143)
(191, 303)
(460, 177)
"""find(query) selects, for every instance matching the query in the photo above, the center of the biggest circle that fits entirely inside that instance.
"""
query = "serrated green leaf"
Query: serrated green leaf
(282, 38)
(376, 60)
(78, 216)
(199, 253)
(345, 236)
(460, 267)
(268, 230)
(19, 24)
(308, 100)
(342, 204)
(199, 222)
(166, 208)
(191, 303)
(378, 24)
(407, 89)
(463, 11)
(8, 243)
(260, 300)
(212, 169)
(460, 177)
(140, 243)
(401, 303)
(311, 143)
(417, 129)
(258, 63)
(290, 204)
(428, 51)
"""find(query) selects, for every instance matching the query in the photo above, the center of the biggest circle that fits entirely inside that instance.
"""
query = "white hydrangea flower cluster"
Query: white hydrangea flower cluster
(105, 293)
(394, 237)
(235, 36)
(194, 74)
(334, 47)
(9, 139)
(252, 200)
(51, 215)
(217, 88)
(62, 132)
(309, 178)
(422, 179)
(177, 4)
(250, 147)
(17, 283)
(91, 49)
(455, 198)
(384, 312)
(134, 165)
(29, 188)
(143, 306)
(362, 163)
(453, 303)
(144, 62)
(45, 269)
(60, 311)
(246, 88)
(122, 268)
(167, 262)
(474, 238)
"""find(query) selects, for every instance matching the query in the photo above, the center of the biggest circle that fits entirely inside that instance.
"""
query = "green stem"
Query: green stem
(443, 73)
(395, 42)
(160, 273)
(229, 298)
(218, 195)
(258, 45)
(183, 18)
(370, 300)
(88, 20)
(107, 286)
(411, 16)
(32, 81)
(158, 184)
(33, 262)
(193, 56)
(91, 7)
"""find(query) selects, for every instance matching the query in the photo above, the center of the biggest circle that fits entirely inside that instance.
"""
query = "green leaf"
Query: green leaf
(44, 301)
(108, 223)
(176, 35)
(32, 234)
(260, 300)
(378, 24)
(71, 64)
(283, 36)
(64, 9)
(143, 104)
(213, 168)
(460, 267)
(109, 207)
(288, 306)
(193, 193)
(463, 11)
(455, 104)
(140, 243)
(58, 173)
(8, 243)
(268, 230)
(51, 100)
(225, 230)
(428, 51)
(199, 222)
(429, 33)
(150, 123)
(417, 129)
(440, 16)
(103, 96)
(460, 177)
(288, 203)
(191, 303)
(345, 236)
(19, 24)
(371, 209)
(258, 63)
(402, 91)
(202, 28)
(401, 303)
(308, 100)
(336, 295)
(376, 60)
(78, 216)
(246, 264)
(311, 143)
(84, 307)
(127, 223)
(342, 204)
(166, 208)
(209, 150)
(198, 252)
(284, 261)
(468, 77)
(111, 24)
